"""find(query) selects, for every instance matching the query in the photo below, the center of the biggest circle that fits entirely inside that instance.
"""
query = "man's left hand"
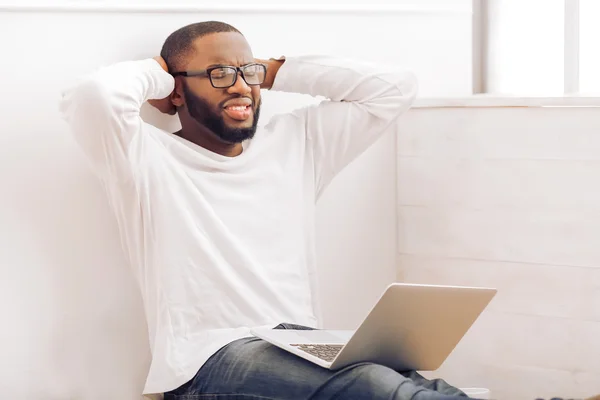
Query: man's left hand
(272, 68)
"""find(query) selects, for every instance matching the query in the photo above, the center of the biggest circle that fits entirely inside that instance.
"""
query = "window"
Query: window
(539, 47)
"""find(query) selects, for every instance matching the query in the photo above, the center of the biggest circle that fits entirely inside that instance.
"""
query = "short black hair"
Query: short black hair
(179, 43)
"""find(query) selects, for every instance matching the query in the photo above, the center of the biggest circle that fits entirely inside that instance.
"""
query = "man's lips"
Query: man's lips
(239, 109)
(238, 101)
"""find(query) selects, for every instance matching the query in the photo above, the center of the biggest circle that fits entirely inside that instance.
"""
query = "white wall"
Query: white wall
(509, 198)
(72, 323)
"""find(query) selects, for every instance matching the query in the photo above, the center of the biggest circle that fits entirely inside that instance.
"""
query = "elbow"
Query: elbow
(407, 89)
(88, 96)
(400, 96)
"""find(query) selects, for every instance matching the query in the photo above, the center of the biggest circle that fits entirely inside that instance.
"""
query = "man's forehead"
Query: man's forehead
(221, 49)
(206, 62)
(229, 61)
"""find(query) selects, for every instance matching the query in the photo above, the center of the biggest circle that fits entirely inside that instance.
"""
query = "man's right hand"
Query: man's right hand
(164, 105)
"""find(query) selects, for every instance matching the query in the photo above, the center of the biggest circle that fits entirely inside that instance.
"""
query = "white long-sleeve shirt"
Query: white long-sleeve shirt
(222, 244)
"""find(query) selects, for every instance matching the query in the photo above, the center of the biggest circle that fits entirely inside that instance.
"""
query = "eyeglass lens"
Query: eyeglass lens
(253, 74)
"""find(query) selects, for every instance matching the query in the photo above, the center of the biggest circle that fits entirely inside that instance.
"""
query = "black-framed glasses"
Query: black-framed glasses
(222, 77)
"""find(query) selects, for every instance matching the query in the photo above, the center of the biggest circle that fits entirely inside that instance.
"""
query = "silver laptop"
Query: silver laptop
(411, 327)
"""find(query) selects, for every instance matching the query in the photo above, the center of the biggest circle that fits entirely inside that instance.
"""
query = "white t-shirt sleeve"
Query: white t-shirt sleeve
(363, 101)
(103, 111)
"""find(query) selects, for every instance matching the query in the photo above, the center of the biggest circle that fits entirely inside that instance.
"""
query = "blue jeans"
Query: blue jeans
(252, 369)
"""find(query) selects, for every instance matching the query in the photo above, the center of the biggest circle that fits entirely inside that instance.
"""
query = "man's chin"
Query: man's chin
(235, 135)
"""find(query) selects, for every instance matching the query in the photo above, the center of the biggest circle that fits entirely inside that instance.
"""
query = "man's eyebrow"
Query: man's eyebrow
(226, 64)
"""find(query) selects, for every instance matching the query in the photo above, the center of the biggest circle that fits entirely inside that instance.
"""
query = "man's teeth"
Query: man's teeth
(237, 108)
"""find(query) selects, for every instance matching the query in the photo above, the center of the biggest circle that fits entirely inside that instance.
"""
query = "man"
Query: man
(218, 219)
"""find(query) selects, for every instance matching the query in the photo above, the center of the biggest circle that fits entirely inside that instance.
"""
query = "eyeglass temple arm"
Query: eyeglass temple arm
(190, 73)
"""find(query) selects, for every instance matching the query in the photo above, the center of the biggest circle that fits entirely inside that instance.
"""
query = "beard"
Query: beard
(203, 113)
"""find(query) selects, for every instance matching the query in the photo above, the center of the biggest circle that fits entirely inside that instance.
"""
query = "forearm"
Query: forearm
(116, 93)
(344, 80)
(103, 108)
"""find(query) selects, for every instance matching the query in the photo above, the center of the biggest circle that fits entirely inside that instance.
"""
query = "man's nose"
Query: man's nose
(240, 86)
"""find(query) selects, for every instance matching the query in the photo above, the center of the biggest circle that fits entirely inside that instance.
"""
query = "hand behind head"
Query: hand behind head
(163, 105)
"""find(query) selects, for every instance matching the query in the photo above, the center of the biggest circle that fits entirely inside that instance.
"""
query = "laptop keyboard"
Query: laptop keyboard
(326, 352)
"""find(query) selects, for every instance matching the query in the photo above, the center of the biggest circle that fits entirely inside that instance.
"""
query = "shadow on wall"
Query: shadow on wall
(65, 338)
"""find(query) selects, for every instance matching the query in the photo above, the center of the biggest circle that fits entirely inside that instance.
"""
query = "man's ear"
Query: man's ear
(177, 97)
